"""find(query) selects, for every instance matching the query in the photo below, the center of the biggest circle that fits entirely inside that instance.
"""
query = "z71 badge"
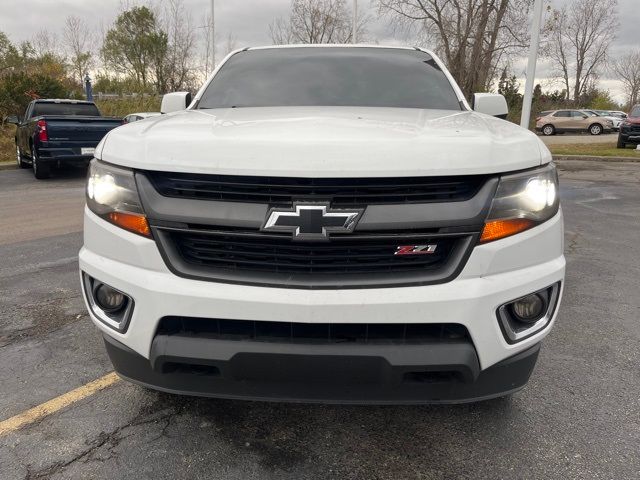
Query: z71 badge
(416, 249)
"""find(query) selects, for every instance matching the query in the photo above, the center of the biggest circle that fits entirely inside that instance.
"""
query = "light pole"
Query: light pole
(531, 65)
(88, 88)
(213, 37)
(354, 25)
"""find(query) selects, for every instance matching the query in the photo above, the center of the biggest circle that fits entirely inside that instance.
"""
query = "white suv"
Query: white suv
(325, 224)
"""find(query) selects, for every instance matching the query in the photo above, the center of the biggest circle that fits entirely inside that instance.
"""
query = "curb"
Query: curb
(592, 158)
(8, 166)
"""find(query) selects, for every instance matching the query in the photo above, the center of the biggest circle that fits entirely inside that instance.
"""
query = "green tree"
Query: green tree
(119, 85)
(9, 55)
(509, 87)
(18, 89)
(135, 46)
(537, 92)
(26, 74)
(598, 99)
(23, 58)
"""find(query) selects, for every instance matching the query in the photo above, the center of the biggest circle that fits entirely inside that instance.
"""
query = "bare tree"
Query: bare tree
(174, 71)
(280, 32)
(204, 33)
(230, 44)
(472, 36)
(627, 69)
(578, 38)
(181, 44)
(45, 43)
(316, 21)
(77, 39)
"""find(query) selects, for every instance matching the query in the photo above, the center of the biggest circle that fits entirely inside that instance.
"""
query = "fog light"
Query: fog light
(525, 316)
(528, 309)
(112, 307)
(109, 299)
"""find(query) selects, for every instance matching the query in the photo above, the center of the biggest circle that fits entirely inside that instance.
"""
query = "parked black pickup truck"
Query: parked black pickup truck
(59, 132)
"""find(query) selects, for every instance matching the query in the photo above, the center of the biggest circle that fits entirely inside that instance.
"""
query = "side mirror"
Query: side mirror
(13, 119)
(174, 102)
(491, 104)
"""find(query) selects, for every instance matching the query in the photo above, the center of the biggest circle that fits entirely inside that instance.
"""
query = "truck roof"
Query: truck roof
(336, 45)
(61, 100)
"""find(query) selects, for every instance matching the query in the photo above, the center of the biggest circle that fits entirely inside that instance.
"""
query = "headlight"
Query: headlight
(522, 201)
(112, 195)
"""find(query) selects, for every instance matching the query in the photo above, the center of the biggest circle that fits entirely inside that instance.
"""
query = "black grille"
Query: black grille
(297, 332)
(341, 191)
(277, 254)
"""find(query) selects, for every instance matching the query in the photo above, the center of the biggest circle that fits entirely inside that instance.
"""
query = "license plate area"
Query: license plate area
(277, 368)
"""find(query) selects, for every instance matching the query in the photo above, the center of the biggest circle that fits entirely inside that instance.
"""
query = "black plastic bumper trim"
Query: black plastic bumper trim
(438, 373)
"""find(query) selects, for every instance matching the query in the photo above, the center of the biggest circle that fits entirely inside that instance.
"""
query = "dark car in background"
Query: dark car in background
(630, 129)
(52, 133)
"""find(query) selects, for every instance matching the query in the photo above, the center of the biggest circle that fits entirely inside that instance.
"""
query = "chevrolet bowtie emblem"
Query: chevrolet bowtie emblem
(312, 221)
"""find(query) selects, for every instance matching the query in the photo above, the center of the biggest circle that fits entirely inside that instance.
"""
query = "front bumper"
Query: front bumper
(495, 273)
(629, 136)
(316, 374)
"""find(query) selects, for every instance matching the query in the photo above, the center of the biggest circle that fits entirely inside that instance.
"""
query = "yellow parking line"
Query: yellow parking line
(47, 408)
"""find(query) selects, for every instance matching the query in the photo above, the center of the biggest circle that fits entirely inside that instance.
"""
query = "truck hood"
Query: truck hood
(324, 142)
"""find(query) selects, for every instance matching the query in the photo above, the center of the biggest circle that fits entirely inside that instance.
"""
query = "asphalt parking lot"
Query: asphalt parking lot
(578, 418)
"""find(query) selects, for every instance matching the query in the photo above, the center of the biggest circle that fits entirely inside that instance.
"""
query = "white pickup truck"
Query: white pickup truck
(325, 224)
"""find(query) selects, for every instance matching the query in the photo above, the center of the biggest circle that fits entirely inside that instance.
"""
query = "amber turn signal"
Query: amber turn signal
(497, 229)
(135, 223)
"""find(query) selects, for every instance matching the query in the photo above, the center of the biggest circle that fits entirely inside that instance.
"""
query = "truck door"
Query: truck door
(579, 120)
(562, 120)
(24, 132)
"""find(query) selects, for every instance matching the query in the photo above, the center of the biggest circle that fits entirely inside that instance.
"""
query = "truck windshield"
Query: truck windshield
(635, 112)
(329, 76)
(52, 108)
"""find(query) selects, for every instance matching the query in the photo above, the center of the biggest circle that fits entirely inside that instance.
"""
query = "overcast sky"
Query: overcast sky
(248, 21)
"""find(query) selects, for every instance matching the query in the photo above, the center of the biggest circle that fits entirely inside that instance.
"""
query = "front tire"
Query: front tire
(40, 170)
(19, 159)
(620, 143)
(595, 129)
(548, 130)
